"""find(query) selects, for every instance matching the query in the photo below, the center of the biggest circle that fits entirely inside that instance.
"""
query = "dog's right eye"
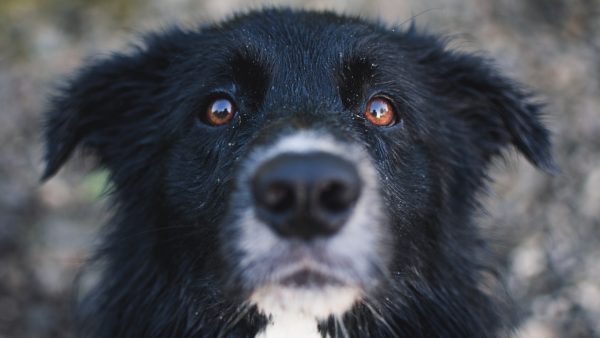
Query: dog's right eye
(380, 112)
(219, 112)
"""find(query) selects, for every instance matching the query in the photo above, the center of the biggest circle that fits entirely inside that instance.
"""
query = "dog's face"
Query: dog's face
(300, 162)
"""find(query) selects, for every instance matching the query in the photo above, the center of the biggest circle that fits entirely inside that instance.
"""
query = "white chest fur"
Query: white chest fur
(291, 326)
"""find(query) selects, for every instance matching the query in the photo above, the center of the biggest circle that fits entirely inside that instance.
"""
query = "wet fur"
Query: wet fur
(165, 273)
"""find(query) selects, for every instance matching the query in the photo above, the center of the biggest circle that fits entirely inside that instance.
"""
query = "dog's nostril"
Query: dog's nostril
(279, 197)
(305, 195)
(337, 196)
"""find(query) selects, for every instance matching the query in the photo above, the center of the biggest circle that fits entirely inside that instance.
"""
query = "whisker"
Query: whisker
(242, 310)
(379, 317)
(340, 322)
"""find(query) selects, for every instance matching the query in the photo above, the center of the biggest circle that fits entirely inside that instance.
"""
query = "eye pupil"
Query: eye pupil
(220, 112)
(380, 112)
(379, 109)
(221, 108)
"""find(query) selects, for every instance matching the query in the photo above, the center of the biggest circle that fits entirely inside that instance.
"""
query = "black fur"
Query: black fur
(166, 273)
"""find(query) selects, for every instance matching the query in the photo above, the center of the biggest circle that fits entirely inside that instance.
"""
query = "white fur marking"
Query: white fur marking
(291, 326)
(295, 311)
(357, 238)
(318, 303)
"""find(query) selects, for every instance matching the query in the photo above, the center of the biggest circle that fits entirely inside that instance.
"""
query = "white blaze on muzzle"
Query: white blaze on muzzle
(352, 254)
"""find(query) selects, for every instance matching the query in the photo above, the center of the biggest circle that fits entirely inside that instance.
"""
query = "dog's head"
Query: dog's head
(302, 162)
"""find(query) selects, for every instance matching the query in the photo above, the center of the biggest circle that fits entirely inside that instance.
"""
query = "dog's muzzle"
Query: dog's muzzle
(310, 225)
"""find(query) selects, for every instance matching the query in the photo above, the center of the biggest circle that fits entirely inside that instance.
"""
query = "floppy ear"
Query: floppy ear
(110, 108)
(498, 111)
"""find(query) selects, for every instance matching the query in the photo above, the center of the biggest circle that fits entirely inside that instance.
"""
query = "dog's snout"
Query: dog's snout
(306, 195)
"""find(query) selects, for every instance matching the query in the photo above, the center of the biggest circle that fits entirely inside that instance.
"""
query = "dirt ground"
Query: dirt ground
(547, 228)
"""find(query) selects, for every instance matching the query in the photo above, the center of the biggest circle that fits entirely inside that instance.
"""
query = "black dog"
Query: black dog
(290, 173)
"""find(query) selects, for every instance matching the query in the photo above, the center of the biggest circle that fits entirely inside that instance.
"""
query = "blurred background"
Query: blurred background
(547, 229)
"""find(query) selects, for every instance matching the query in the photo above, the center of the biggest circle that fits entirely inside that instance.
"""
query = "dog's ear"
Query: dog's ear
(497, 110)
(110, 108)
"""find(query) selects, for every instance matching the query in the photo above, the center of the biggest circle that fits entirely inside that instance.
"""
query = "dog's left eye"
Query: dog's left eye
(220, 111)
(380, 112)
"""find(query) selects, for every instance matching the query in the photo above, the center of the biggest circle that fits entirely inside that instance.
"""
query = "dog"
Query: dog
(290, 173)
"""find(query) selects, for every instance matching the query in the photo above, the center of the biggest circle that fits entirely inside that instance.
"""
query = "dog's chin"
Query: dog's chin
(306, 289)
(309, 301)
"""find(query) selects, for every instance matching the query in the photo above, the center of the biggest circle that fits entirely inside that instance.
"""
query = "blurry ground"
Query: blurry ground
(549, 228)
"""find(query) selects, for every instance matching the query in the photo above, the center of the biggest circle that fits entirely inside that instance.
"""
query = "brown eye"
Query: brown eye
(220, 112)
(380, 112)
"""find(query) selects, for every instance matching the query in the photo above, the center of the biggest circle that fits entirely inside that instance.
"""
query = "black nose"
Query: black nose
(306, 195)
